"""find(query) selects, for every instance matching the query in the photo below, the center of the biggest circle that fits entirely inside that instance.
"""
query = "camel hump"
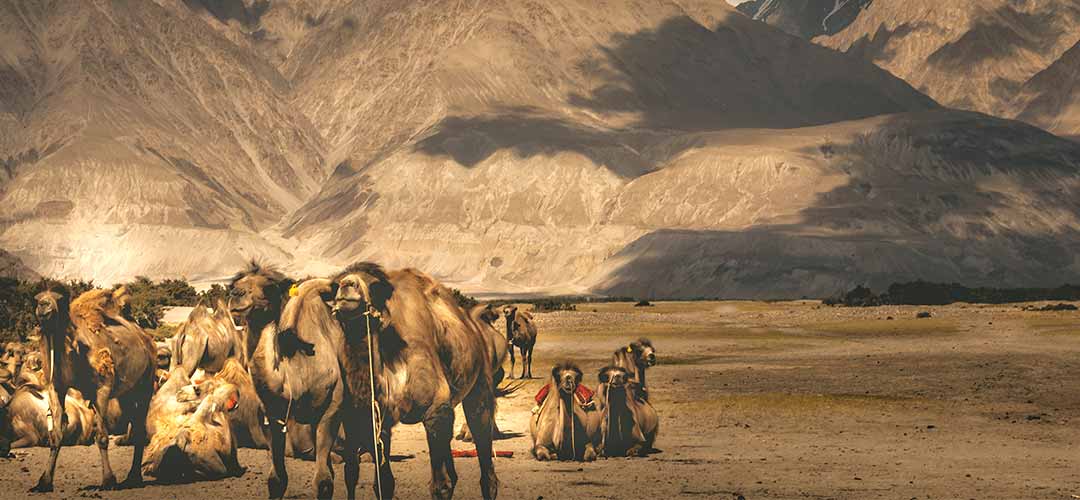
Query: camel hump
(290, 316)
(90, 310)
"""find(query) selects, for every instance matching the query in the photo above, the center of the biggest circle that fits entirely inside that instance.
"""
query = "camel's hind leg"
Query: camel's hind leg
(57, 397)
(325, 433)
(439, 424)
(101, 403)
(513, 360)
(479, 407)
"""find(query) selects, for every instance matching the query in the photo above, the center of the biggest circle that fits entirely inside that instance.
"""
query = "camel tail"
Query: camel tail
(509, 388)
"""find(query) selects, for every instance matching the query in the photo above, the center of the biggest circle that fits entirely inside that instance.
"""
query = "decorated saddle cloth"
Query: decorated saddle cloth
(584, 395)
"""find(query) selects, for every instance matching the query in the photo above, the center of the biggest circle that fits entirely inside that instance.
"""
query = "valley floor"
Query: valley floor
(767, 400)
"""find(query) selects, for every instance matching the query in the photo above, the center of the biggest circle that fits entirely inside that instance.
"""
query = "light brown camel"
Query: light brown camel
(636, 358)
(206, 340)
(25, 423)
(563, 429)
(628, 425)
(295, 371)
(520, 332)
(102, 355)
(209, 341)
(485, 316)
(429, 356)
(12, 357)
(192, 437)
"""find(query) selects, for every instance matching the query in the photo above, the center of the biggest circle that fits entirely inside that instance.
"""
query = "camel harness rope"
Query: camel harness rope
(376, 414)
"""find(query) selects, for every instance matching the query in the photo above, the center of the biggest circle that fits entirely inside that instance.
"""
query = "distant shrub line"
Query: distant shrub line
(929, 293)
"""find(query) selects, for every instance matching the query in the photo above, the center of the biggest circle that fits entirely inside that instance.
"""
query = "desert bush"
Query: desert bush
(17, 304)
(465, 301)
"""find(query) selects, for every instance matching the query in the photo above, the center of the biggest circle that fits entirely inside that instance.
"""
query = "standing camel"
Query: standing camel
(428, 357)
(520, 332)
(102, 355)
(485, 316)
(294, 370)
(636, 358)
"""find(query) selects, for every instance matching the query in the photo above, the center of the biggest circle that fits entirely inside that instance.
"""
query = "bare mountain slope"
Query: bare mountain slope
(520, 146)
(131, 130)
(970, 54)
(1051, 98)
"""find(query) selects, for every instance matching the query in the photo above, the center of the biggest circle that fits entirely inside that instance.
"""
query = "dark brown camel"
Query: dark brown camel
(428, 357)
(103, 356)
(520, 332)
(636, 358)
(295, 371)
(628, 424)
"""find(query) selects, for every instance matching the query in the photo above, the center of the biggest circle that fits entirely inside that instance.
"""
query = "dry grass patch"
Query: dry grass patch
(882, 327)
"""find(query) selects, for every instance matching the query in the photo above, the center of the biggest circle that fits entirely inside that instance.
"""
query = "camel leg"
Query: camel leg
(57, 397)
(530, 361)
(108, 479)
(439, 424)
(351, 454)
(136, 410)
(325, 433)
(513, 361)
(382, 466)
(479, 407)
(279, 476)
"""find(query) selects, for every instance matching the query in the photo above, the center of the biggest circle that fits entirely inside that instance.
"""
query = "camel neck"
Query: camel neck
(256, 327)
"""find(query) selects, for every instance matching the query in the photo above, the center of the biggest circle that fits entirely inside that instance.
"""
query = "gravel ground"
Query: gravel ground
(764, 400)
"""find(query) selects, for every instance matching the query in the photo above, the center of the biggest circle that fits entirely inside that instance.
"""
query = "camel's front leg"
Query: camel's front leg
(439, 424)
(101, 403)
(136, 409)
(57, 401)
(513, 360)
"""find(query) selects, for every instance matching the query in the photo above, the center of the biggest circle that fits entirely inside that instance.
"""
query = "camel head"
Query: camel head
(488, 314)
(566, 377)
(32, 371)
(52, 307)
(257, 293)
(164, 355)
(13, 357)
(614, 376)
(361, 288)
(644, 352)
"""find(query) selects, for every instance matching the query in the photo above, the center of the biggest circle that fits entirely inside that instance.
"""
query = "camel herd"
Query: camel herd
(615, 420)
(321, 370)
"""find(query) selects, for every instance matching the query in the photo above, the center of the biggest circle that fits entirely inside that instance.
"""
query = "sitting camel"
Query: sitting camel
(25, 420)
(520, 332)
(628, 425)
(209, 341)
(192, 437)
(90, 347)
(427, 355)
(563, 428)
(635, 358)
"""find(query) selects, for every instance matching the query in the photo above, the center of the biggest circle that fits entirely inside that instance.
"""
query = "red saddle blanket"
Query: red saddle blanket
(584, 394)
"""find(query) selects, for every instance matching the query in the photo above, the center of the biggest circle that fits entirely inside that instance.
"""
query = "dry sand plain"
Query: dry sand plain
(764, 400)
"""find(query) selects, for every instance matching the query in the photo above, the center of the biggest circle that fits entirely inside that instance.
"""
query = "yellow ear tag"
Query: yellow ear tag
(629, 349)
(294, 290)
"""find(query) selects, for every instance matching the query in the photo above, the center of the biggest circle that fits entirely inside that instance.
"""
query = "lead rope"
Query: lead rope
(607, 416)
(376, 414)
(52, 367)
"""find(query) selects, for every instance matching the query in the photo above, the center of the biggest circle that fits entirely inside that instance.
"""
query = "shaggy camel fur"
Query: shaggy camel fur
(563, 429)
(628, 425)
(295, 369)
(429, 356)
(193, 438)
(90, 347)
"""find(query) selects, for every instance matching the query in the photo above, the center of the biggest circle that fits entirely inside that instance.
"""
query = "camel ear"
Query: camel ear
(555, 372)
(380, 294)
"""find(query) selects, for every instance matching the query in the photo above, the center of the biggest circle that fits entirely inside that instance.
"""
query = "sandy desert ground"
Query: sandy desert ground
(764, 400)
